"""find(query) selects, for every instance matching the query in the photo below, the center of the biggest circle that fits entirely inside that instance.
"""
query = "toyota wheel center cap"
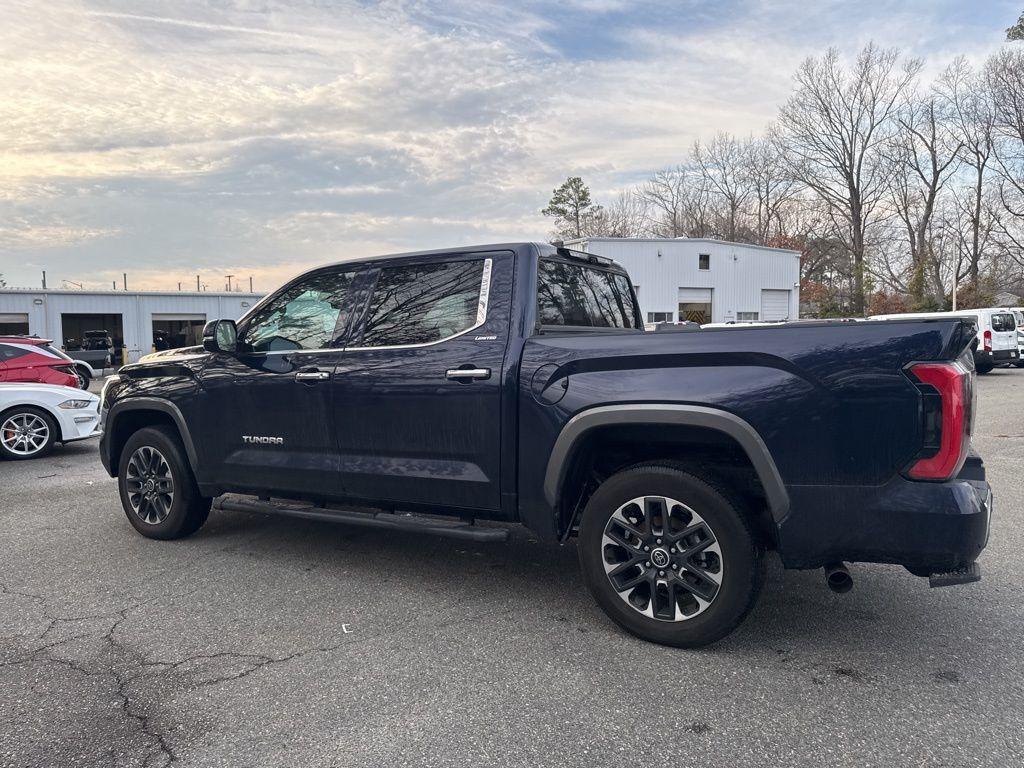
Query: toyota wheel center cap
(659, 557)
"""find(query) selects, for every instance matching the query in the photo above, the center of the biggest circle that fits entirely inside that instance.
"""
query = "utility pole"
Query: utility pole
(124, 276)
(250, 283)
(179, 285)
(44, 279)
(197, 283)
(229, 282)
(954, 293)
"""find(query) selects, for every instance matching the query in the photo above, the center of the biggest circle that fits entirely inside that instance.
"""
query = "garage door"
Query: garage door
(774, 304)
(13, 324)
(695, 305)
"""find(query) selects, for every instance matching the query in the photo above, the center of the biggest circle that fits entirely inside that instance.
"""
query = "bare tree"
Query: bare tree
(924, 153)
(1004, 75)
(972, 111)
(771, 185)
(722, 162)
(836, 125)
(666, 196)
(626, 217)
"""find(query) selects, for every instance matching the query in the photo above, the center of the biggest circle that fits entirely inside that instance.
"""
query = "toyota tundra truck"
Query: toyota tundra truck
(446, 391)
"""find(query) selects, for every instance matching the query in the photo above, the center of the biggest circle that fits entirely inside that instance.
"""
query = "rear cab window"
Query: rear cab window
(419, 304)
(579, 295)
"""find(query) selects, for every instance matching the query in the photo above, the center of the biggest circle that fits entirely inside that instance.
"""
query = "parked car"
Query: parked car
(515, 383)
(997, 334)
(34, 417)
(30, 359)
(85, 373)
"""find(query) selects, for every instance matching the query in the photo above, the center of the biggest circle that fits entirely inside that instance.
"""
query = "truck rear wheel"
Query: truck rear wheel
(158, 490)
(669, 556)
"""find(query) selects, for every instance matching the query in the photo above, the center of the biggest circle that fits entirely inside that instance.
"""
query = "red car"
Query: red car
(29, 359)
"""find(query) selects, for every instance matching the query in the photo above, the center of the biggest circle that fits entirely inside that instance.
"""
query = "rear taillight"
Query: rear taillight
(987, 341)
(947, 393)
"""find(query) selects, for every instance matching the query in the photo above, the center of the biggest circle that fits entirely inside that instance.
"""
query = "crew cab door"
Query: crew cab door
(417, 395)
(266, 421)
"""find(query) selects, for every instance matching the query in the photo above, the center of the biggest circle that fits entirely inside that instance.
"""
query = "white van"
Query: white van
(1018, 316)
(997, 334)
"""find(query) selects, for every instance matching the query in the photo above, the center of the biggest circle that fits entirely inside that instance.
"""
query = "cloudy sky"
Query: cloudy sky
(259, 137)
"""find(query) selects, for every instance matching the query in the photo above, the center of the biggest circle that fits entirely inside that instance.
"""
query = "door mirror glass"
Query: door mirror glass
(220, 336)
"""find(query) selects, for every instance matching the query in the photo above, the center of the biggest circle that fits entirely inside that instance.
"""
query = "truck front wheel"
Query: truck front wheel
(669, 556)
(158, 490)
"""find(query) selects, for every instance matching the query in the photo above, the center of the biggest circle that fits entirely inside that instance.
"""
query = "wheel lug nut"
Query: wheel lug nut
(661, 573)
(647, 549)
(647, 564)
(659, 541)
(674, 566)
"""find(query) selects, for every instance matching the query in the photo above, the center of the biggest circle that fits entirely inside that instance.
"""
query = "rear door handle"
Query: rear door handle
(312, 375)
(467, 373)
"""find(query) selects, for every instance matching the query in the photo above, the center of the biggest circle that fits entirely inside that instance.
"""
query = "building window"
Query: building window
(746, 317)
(704, 261)
(659, 317)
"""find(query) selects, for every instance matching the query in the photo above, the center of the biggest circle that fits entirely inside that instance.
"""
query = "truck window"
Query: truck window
(1003, 322)
(579, 295)
(426, 303)
(303, 316)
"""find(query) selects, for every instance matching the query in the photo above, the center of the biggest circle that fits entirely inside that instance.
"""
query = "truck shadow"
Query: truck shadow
(888, 613)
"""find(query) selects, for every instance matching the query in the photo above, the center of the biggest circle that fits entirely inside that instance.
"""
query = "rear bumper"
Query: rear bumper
(925, 526)
(998, 356)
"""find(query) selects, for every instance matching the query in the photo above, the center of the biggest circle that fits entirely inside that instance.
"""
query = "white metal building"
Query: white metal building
(707, 281)
(134, 319)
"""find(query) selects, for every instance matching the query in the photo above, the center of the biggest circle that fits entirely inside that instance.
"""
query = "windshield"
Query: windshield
(1003, 321)
(583, 296)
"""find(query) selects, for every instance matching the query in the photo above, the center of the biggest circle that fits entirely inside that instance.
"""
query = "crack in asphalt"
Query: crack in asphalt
(127, 666)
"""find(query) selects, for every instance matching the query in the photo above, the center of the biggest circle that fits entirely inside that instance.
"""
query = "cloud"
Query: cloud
(163, 137)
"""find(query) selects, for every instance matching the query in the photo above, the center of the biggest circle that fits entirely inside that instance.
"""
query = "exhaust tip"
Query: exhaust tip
(838, 578)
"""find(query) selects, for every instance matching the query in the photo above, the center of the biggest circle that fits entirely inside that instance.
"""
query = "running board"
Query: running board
(454, 529)
(966, 575)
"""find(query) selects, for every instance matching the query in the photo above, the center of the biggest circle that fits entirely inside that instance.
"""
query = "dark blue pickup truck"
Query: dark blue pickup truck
(516, 383)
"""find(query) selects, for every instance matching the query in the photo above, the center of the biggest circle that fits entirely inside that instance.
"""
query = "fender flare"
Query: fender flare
(657, 413)
(150, 404)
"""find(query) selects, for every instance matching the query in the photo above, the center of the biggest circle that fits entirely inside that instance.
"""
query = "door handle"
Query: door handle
(312, 375)
(467, 373)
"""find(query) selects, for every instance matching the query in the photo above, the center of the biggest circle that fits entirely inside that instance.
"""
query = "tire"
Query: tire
(172, 510)
(984, 369)
(84, 379)
(18, 445)
(695, 503)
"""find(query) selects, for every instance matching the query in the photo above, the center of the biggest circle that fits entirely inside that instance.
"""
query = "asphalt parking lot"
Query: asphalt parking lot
(271, 642)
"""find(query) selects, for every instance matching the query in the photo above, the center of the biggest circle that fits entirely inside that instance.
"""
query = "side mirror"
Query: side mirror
(220, 336)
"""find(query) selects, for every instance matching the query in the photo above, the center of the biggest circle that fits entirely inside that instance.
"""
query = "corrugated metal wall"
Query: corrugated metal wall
(737, 274)
(44, 310)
